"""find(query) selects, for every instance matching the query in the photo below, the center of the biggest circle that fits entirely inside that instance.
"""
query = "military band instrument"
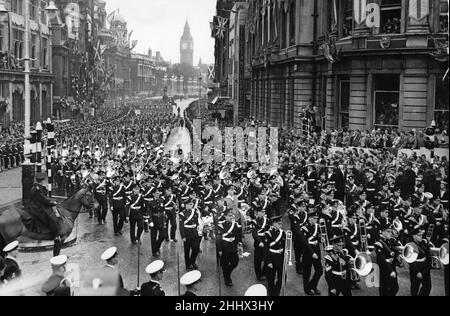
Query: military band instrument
(362, 263)
(288, 246)
(435, 260)
(397, 225)
(324, 235)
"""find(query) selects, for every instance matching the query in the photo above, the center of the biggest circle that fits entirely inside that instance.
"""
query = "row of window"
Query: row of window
(277, 23)
(38, 51)
(36, 9)
(386, 102)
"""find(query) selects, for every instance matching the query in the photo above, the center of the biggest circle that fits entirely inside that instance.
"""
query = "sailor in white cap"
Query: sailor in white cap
(97, 153)
(12, 269)
(257, 290)
(120, 150)
(76, 151)
(111, 258)
(64, 152)
(191, 280)
(153, 287)
(57, 285)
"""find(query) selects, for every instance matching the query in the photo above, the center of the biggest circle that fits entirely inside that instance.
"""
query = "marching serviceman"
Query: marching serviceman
(261, 225)
(137, 214)
(337, 268)
(12, 269)
(298, 217)
(229, 238)
(191, 281)
(128, 192)
(189, 219)
(170, 208)
(276, 243)
(112, 260)
(420, 270)
(101, 195)
(153, 287)
(387, 254)
(57, 285)
(311, 240)
(118, 202)
(157, 223)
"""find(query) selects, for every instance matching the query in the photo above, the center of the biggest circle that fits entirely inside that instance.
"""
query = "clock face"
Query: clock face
(185, 46)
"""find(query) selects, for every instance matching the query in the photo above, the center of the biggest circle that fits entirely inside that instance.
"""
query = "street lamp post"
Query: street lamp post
(199, 95)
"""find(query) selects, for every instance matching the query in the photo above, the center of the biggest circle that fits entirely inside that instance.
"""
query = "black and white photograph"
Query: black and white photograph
(226, 150)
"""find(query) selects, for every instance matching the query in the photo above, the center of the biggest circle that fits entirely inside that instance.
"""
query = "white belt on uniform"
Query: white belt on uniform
(339, 273)
(117, 198)
(276, 251)
(228, 239)
(190, 226)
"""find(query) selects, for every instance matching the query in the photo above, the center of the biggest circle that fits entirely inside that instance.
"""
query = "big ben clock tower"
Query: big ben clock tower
(187, 47)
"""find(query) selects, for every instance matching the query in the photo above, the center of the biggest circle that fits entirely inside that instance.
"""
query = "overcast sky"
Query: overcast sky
(159, 24)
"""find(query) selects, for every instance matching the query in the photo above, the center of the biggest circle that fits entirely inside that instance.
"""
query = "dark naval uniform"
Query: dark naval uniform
(189, 223)
(260, 227)
(421, 286)
(386, 260)
(230, 235)
(276, 242)
(118, 202)
(137, 214)
(101, 195)
(55, 286)
(337, 274)
(152, 288)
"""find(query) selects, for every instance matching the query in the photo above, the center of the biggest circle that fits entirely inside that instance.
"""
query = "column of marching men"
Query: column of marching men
(346, 211)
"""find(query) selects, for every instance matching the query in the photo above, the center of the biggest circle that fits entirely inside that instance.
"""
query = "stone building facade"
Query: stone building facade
(12, 51)
(321, 56)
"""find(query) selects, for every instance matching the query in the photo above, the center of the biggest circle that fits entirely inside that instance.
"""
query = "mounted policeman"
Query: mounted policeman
(43, 207)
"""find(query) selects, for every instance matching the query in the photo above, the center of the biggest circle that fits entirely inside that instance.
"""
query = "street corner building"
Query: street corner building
(12, 65)
(352, 64)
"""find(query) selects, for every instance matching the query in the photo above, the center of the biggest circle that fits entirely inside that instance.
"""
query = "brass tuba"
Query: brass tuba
(362, 263)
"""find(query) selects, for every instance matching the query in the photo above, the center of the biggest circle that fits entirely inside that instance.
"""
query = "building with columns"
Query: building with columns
(12, 29)
(345, 67)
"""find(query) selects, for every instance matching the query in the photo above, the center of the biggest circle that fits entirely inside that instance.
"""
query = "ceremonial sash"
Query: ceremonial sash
(119, 190)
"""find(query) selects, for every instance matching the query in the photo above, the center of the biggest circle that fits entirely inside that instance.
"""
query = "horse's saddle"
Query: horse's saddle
(35, 221)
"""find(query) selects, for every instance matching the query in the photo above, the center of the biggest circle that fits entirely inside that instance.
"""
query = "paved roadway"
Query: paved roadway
(10, 186)
(94, 239)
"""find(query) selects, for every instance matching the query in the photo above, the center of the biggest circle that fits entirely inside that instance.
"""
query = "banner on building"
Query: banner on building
(219, 27)
(368, 13)
(419, 9)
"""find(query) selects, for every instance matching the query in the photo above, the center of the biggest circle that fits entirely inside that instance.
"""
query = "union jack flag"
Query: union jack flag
(219, 26)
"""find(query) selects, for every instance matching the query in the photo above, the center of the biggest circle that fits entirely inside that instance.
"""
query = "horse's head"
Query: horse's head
(88, 200)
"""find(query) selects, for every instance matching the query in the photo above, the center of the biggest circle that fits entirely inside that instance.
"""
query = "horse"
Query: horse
(12, 226)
